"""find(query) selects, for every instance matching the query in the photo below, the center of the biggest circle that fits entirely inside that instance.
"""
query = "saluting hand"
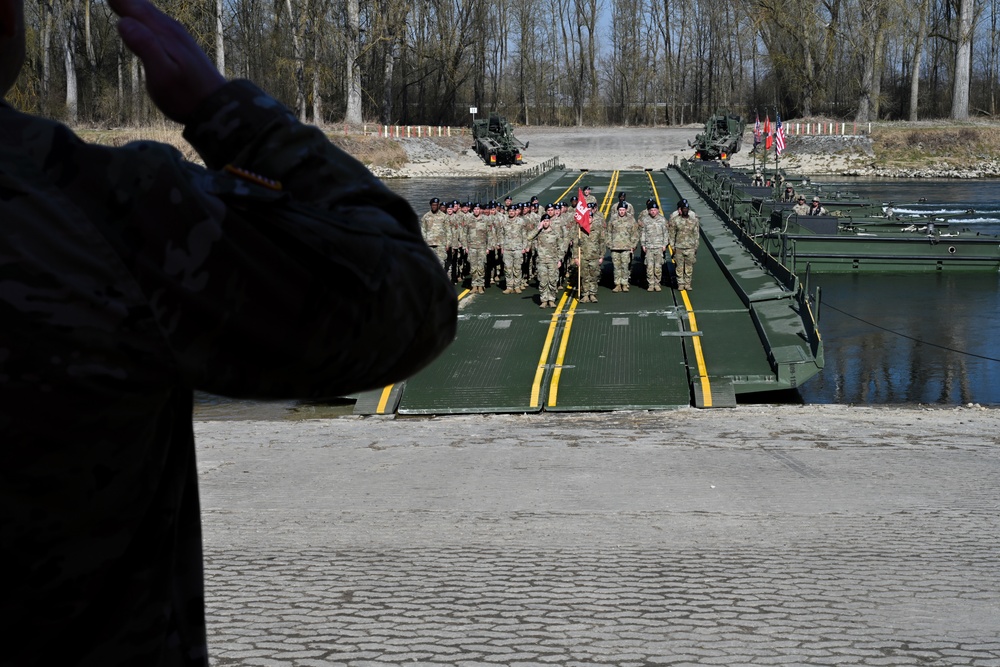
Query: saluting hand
(179, 76)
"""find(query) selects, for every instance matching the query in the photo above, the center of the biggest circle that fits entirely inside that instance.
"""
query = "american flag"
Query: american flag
(756, 132)
(779, 137)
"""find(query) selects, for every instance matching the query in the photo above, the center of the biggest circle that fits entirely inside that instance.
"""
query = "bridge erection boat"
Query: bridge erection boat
(746, 327)
(855, 235)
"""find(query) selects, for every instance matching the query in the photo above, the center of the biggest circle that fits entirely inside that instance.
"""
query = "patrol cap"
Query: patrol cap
(435, 200)
(683, 204)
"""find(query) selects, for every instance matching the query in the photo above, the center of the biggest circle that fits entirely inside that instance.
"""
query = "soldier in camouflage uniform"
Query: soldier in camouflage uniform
(434, 227)
(513, 244)
(683, 230)
(129, 278)
(592, 249)
(477, 242)
(654, 244)
(623, 236)
(591, 199)
(549, 244)
(801, 207)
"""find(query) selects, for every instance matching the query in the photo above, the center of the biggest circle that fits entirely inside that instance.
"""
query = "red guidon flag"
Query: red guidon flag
(768, 139)
(582, 214)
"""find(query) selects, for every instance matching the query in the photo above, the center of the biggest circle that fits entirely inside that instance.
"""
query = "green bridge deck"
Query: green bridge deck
(739, 330)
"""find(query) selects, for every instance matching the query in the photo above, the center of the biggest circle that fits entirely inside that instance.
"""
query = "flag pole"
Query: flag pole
(579, 262)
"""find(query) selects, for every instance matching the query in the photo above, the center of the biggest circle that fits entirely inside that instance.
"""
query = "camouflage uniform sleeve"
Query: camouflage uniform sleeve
(321, 289)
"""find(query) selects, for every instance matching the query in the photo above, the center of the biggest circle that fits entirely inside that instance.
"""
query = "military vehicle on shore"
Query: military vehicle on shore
(722, 137)
(493, 140)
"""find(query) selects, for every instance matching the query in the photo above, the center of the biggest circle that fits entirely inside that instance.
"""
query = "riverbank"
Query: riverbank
(927, 149)
(924, 149)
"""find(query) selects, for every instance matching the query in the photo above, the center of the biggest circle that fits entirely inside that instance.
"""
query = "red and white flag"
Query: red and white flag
(582, 214)
(767, 133)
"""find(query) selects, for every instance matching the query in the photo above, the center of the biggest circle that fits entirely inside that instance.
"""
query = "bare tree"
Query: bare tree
(353, 73)
(918, 53)
(963, 58)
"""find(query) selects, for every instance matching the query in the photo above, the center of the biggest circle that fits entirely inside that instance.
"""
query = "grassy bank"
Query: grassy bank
(944, 145)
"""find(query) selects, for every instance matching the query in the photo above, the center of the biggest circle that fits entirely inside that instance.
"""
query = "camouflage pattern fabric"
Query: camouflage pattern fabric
(129, 278)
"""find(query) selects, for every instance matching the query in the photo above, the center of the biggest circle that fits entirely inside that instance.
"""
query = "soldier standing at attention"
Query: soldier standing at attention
(592, 249)
(434, 227)
(684, 229)
(623, 235)
(789, 194)
(512, 244)
(801, 208)
(654, 244)
(591, 199)
(130, 278)
(477, 234)
(548, 245)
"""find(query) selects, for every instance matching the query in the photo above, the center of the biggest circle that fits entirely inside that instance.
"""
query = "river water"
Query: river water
(888, 338)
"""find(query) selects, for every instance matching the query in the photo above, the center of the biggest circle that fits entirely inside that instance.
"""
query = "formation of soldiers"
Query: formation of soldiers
(512, 244)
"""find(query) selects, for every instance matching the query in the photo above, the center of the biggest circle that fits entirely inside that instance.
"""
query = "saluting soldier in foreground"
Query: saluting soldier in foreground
(130, 278)
(683, 230)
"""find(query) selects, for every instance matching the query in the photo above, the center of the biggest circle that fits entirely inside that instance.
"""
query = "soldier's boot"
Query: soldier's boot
(617, 288)
(593, 298)
(657, 287)
(624, 288)
(508, 291)
(650, 289)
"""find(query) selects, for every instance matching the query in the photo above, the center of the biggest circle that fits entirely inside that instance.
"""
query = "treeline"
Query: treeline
(566, 62)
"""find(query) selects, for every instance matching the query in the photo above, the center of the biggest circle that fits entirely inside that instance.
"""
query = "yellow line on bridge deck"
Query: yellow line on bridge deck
(706, 386)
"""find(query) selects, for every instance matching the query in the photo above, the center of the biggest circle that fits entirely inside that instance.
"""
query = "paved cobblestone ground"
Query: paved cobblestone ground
(756, 536)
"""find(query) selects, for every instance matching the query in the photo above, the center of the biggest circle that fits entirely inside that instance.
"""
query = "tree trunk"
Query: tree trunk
(918, 52)
(69, 61)
(220, 42)
(963, 57)
(353, 77)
